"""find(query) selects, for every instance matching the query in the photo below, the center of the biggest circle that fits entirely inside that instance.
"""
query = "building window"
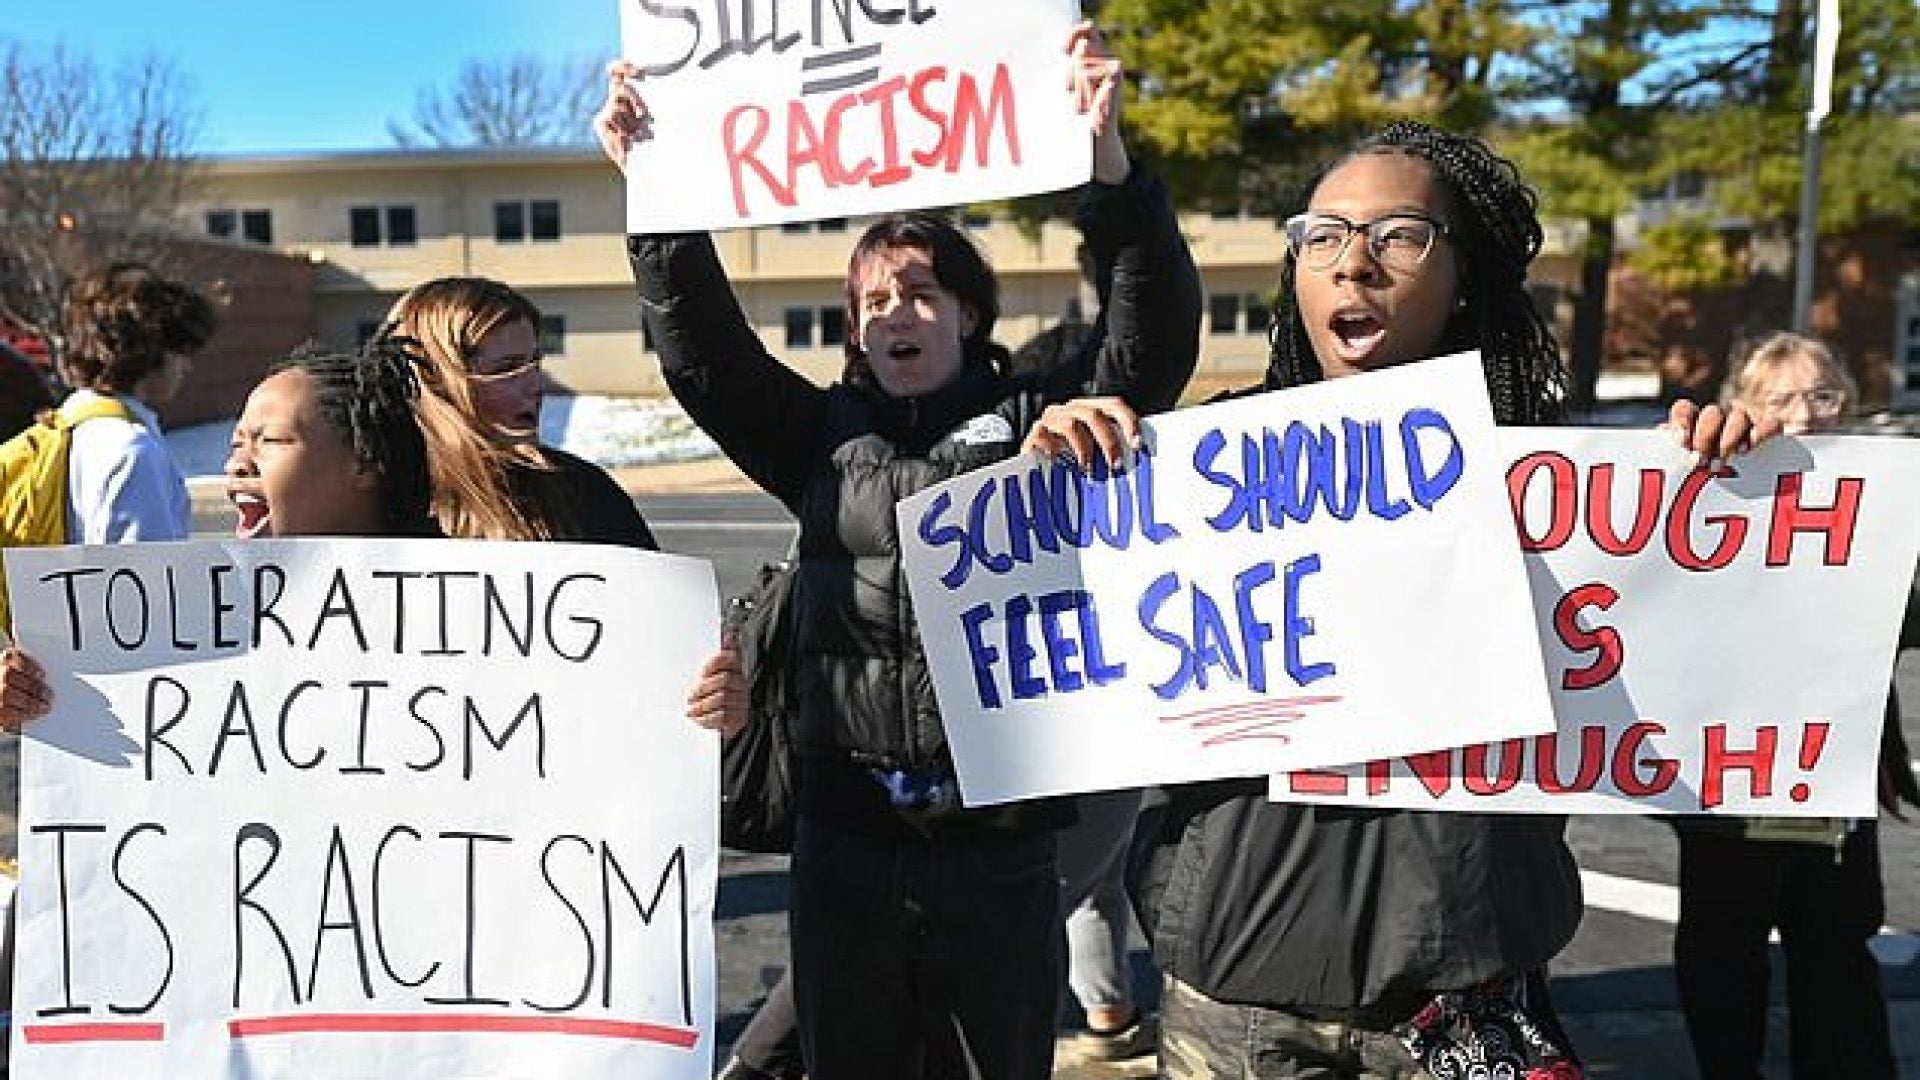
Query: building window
(253, 226)
(517, 221)
(824, 225)
(256, 226)
(400, 227)
(553, 335)
(833, 327)
(1906, 327)
(799, 327)
(364, 226)
(1259, 314)
(1223, 314)
(543, 215)
(509, 222)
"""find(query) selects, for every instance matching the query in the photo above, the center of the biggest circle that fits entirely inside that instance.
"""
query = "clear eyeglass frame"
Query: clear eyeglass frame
(1399, 241)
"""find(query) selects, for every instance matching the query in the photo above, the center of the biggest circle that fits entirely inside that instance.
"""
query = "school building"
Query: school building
(550, 222)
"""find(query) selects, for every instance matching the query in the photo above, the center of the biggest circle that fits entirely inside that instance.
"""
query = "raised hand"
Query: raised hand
(623, 120)
(1094, 82)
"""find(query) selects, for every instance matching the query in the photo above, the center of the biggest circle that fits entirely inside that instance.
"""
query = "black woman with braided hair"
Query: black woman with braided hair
(326, 445)
(1317, 941)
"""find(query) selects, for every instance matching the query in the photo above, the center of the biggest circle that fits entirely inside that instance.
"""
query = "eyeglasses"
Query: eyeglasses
(504, 369)
(1397, 241)
(1821, 401)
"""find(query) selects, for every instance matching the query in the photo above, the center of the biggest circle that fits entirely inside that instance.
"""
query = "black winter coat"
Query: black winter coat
(840, 457)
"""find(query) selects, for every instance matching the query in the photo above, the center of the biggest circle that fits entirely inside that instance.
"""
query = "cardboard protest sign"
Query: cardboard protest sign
(1715, 643)
(769, 111)
(363, 808)
(1299, 577)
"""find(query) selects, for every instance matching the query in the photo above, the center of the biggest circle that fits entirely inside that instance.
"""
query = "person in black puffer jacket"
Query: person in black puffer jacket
(925, 935)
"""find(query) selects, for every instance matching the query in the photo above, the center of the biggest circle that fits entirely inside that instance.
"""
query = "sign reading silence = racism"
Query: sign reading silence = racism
(1366, 570)
(354, 808)
(764, 111)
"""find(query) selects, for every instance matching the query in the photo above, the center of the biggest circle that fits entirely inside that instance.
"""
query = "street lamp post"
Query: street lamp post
(1826, 38)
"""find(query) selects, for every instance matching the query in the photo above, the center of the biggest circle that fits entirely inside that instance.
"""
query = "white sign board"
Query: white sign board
(766, 112)
(365, 808)
(1715, 643)
(1285, 581)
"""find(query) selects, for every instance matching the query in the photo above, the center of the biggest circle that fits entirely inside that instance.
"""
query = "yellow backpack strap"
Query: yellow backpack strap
(96, 409)
(35, 506)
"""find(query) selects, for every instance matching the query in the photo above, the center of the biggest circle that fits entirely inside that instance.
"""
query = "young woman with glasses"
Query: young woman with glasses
(1322, 941)
(477, 344)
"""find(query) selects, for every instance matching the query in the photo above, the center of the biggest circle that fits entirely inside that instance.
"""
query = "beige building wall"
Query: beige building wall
(582, 279)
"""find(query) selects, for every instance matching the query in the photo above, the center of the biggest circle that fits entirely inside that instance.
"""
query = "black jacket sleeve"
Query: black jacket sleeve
(767, 417)
(1149, 335)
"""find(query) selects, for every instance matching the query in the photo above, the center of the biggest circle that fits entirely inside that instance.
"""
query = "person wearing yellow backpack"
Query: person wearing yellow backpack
(130, 336)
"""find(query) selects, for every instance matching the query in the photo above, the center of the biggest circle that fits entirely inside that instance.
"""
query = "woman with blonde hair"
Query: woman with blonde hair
(477, 347)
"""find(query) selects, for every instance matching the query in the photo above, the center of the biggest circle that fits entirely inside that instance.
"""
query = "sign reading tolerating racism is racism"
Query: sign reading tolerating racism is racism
(365, 808)
(768, 111)
(1277, 582)
(1716, 641)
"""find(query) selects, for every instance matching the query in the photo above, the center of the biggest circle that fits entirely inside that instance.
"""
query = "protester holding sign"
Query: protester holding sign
(925, 936)
(479, 406)
(1384, 942)
(326, 445)
(1816, 879)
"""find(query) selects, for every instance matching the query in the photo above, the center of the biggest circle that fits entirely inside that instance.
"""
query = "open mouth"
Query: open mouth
(255, 516)
(1358, 332)
(903, 350)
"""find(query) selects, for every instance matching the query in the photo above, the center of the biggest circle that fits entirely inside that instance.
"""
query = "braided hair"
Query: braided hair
(367, 399)
(1497, 235)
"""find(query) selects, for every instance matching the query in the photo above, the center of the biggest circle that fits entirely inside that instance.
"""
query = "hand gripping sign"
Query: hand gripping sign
(1716, 642)
(1291, 578)
(365, 808)
(769, 111)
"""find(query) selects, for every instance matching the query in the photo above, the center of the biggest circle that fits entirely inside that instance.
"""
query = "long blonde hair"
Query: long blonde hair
(467, 458)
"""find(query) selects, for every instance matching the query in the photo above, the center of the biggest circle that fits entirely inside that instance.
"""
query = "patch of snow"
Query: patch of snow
(610, 432)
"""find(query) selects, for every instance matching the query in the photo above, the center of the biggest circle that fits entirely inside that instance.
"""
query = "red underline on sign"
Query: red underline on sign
(82, 1033)
(384, 1023)
(1251, 720)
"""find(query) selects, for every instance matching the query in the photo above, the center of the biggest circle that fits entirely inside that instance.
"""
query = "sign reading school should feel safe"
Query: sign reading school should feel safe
(1302, 575)
(1270, 582)
(770, 111)
(365, 808)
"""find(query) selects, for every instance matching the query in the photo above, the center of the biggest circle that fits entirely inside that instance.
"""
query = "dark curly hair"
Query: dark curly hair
(367, 398)
(1497, 235)
(958, 266)
(123, 320)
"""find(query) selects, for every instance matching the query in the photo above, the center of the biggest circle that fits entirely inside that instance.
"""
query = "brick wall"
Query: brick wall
(266, 309)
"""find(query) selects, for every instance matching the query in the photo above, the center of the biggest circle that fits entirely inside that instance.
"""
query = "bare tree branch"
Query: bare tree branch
(519, 100)
(94, 165)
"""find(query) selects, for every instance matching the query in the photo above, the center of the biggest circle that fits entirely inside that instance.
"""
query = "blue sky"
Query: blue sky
(313, 74)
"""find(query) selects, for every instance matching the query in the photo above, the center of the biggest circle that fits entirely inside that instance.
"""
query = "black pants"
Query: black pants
(1732, 893)
(930, 960)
